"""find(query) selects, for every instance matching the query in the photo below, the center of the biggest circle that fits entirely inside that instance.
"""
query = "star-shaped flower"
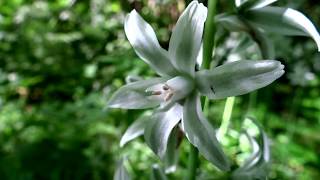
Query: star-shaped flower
(176, 93)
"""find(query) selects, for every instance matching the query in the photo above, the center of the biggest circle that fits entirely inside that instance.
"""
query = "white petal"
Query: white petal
(135, 130)
(159, 128)
(133, 95)
(263, 3)
(237, 78)
(299, 20)
(144, 41)
(284, 21)
(186, 37)
(201, 134)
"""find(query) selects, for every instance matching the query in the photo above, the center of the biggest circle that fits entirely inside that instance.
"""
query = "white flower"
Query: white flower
(177, 92)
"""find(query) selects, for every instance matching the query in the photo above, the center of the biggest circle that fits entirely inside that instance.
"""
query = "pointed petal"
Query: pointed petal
(133, 95)
(201, 134)
(284, 21)
(135, 130)
(171, 156)
(159, 128)
(186, 37)
(237, 78)
(121, 172)
(253, 4)
(144, 41)
(262, 3)
(238, 3)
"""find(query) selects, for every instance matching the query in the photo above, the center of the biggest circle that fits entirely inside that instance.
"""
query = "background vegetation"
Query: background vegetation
(60, 61)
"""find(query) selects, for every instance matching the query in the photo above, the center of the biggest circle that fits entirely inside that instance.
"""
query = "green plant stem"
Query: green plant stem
(208, 44)
(193, 162)
(226, 117)
(209, 34)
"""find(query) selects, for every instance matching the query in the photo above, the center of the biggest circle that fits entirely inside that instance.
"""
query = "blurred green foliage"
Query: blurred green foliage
(60, 61)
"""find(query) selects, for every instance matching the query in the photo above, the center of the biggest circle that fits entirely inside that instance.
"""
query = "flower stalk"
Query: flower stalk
(209, 34)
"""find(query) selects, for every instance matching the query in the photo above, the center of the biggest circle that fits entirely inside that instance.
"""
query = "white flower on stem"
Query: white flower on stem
(176, 93)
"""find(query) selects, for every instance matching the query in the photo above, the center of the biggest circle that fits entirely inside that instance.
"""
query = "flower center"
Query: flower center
(174, 89)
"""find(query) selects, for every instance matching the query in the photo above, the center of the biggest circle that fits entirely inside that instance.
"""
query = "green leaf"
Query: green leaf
(238, 78)
(121, 172)
(133, 95)
(186, 38)
(135, 130)
(144, 41)
(285, 21)
(159, 128)
(201, 134)
(157, 173)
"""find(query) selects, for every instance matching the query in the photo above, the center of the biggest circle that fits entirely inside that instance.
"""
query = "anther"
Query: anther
(168, 97)
(165, 87)
(156, 93)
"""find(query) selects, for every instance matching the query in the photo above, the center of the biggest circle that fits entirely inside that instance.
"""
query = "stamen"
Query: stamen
(156, 93)
(168, 97)
(165, 87)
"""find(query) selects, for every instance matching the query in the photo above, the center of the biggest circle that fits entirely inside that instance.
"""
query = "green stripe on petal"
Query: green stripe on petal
(186, 37)
(159, 128)
(201, 134)
(238, 78)
(133, 95)
(144, 41)
(284, 21)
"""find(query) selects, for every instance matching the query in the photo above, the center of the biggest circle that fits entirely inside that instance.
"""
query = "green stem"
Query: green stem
(252, 102)
(208, 44)
(226, 117)
(193, 162)
(209, 34)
